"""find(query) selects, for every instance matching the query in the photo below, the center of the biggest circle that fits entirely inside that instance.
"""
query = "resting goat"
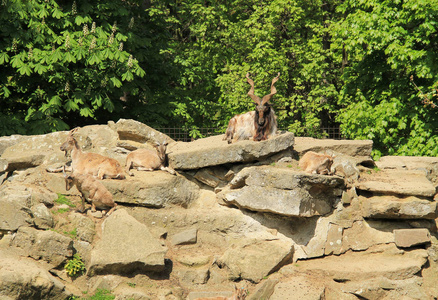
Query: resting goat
(91, 163)
(257, 125)
(148, 160)
(92, 190)
(316, 163)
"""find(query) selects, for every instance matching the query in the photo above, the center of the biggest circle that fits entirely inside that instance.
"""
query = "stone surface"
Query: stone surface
(347, 147)
(153, 189)
(397, 182)
(263, 290)
(405, 238)
(85, 228)
(392, 207)
(282, 191)
(213, 151)
(47, 245)
(185, 237)
(15, 202)
(303, 288)
(128, 129)
(126, 246)
(409, 163)
(22, 278)
(254, 259)
(43, 219)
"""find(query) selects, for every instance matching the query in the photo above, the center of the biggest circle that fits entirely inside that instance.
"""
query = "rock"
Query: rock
(409, 163)
(190, 276)
(364, 265)
(254, 259)
(213, 151)
(15, 203)
(393, 207)
(84, 227)
(136, 131)
(193, 260)
(361, 236)
(263, 290)
(22, 278)
(213, 176)
(7, 141)
(283, 191)
(43, 219)
(126, 246)
(348, 196)
(347, 147)
(397, 182)
(48, 245)
(3, 165)
(185, 237)
(405, 238)
(299, 287)
(153, 189)
(333, 244)
(209, 295)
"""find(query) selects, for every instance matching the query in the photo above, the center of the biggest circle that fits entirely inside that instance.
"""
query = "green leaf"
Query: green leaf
(4, 58)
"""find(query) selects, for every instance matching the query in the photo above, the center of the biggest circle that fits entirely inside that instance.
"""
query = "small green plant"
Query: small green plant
(75, 266)
(72, 234)
(273, 164)
(131, 284)
(64, 200)
(289, 166)
(61, 211)
(102, 294)
(376, 169)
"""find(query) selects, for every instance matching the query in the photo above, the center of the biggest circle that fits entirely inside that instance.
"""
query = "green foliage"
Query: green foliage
(62, 199)
(73, 234)
(387, 42)
(61, 211)
(102, 294)
(75, 266)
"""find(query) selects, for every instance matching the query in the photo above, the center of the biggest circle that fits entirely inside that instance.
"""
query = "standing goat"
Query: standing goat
(257, 125)
(92, 190)
(316, 163)
(149, 160)
(91, 163)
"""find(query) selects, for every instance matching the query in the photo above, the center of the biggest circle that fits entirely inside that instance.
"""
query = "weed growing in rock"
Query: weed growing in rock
(75, 266)
(64, 200)
(72, 234)
(131, 284)
(61, 211)
(102, 294)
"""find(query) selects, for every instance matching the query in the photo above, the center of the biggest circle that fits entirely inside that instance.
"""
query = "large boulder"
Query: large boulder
(48, 245)
(126, 246)
(283, 191)
(392, 207)
(22, 278)
(15, 203)
(356, 148)
(213, 151)
(153, 189)
(138, 132)
(253, 259)
(397, 182)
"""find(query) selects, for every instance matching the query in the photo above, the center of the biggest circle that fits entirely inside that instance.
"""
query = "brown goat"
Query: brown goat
(149, 160)
(92, 190)
(316, 163)
(257, 125)
(91, 163)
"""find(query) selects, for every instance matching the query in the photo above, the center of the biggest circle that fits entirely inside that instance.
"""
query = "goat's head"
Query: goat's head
(70, 143)
(263, 107)
(69, 181)
(161, 150)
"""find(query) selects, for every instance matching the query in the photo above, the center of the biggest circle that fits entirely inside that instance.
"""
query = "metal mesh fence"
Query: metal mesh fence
(183, 135)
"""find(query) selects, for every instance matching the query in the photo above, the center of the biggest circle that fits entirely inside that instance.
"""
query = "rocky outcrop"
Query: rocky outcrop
(120, 253)
(283, 191)
(239, 217)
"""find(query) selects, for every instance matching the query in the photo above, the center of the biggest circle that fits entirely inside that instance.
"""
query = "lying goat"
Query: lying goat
(91, 163)
(316, 163)
(148, 160)
(92, 190)
(257, 125)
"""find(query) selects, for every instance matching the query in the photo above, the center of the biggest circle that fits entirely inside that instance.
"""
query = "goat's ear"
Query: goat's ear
(157, 144)
(73, 130)
(165, 143)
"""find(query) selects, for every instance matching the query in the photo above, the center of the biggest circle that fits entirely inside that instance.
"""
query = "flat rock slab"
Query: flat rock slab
(408, 162)
(363, 265)
(126, 246)
(136, 131)
(392, 207)
(299, 287)
(411, 237)
(213, 151)
(348, 147)
(153, 189)
(282, 191)
(397, 182)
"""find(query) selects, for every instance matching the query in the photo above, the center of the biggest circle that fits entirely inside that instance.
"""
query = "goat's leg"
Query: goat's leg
(82, 204)
(93, 206)
(168, 169)
(111, 210)
(144, 169)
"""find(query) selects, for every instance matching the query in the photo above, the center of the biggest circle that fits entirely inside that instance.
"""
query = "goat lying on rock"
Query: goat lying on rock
(255, 125)
(149, 160)
(92, 190)
(316, 163)
(91, 163)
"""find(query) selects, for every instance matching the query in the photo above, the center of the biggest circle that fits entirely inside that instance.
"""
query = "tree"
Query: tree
(387, 42)
(64, 62)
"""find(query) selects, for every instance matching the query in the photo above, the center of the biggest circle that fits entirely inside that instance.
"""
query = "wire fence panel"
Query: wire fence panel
(183, 135)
